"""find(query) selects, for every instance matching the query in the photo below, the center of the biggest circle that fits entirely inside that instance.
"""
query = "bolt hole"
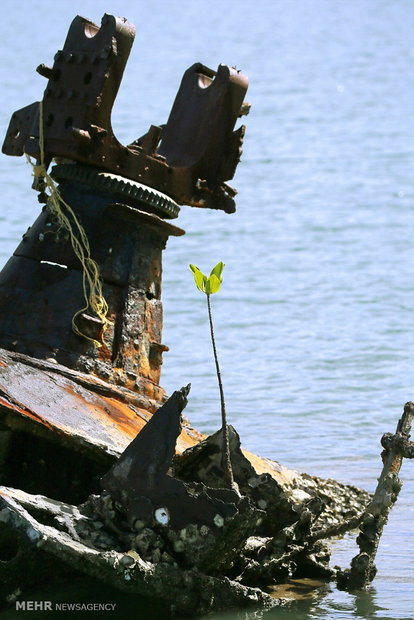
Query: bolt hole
(162, 516)
(90, 30)
(49, 120)
(9, 544)
(56, 74)
(87, 78)
(68, 122)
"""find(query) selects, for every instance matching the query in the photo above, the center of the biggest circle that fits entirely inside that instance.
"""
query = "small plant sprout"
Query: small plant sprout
(209, 286)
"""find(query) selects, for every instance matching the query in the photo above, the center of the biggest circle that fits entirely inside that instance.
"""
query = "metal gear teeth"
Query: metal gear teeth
(161, 203)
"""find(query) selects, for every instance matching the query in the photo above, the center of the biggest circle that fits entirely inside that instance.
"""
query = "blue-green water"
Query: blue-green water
(315, 319)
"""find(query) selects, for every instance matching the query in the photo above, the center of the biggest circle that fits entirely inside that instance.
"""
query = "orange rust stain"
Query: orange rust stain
(117, 417)
(109, 412)
(104, 353)
(25, 412)
(144, 367)
(124, 419)
(396, 464)
(129, 423)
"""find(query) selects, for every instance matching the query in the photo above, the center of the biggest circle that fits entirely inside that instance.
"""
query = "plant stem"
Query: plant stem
(226, 462)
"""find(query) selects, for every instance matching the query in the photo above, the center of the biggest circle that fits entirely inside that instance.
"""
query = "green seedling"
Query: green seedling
(209, 286)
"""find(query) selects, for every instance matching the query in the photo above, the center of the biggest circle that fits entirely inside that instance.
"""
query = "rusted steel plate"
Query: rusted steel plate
(37, 303)
(41, 289)
(127, 255)
(46, 402)
(86, 413)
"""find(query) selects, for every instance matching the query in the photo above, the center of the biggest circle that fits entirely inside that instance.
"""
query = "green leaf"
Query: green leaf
(218, 271)
(213, 284)
(199, 278)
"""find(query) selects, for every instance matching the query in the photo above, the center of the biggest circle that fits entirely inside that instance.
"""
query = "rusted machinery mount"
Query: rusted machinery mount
(189, 159)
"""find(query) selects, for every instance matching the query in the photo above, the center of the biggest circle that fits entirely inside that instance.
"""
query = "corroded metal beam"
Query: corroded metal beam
(75, 409)
(396, 447)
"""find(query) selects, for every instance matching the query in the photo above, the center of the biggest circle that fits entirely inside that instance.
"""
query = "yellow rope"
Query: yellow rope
(92, 285)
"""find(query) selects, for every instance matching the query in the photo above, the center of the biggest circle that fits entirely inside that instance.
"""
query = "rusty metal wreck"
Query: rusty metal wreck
(137, 498)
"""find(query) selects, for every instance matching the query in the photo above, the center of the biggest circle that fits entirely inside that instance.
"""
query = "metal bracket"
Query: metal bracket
(189, 159)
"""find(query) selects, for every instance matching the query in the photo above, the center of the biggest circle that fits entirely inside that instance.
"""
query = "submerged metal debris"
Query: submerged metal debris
(375, 517)
(45, 548)
(165, 517)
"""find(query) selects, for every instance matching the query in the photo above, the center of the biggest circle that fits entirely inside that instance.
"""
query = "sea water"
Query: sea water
(314, 321)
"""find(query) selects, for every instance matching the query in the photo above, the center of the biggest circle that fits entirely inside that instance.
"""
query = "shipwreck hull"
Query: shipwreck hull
(62, 430)
(100, 473)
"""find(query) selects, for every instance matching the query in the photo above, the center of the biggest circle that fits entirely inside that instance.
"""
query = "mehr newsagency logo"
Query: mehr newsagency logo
(49, 606)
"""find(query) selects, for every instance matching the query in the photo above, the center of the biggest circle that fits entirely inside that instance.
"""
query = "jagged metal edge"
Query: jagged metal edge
(122, 185)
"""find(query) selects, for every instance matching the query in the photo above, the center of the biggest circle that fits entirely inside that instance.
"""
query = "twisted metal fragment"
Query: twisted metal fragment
(396, 447)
